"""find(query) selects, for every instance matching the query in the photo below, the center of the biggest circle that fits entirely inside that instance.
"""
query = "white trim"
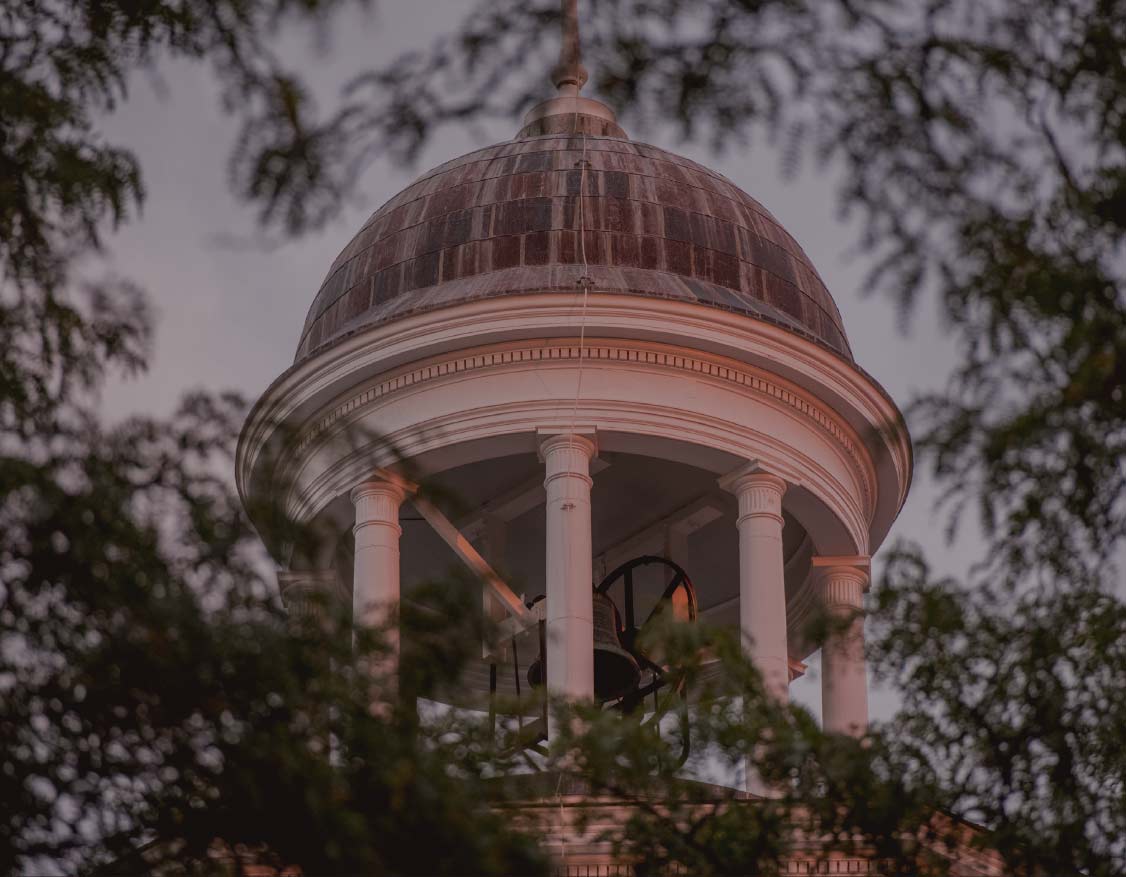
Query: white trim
(338, 419)
(661, 336)
(630, 421)
(617, 352)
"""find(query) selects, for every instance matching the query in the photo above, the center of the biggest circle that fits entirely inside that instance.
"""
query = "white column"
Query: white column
(762, 584)
(375, 583)
(570, 614)
(844, 670)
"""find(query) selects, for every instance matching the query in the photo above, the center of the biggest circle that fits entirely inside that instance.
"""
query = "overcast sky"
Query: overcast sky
(230, 316)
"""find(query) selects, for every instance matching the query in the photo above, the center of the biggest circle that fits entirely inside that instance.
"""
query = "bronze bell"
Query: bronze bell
(615, 670)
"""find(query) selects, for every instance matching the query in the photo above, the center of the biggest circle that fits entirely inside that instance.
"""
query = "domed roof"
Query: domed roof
(506, 220)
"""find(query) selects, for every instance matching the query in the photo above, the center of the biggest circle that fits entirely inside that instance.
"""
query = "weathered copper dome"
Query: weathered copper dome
(504, 221)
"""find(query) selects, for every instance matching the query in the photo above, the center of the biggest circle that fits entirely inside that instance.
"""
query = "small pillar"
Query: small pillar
(844, 669)
(569, 567)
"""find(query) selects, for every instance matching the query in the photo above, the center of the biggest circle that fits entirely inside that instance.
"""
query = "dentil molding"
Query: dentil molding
(340, 414)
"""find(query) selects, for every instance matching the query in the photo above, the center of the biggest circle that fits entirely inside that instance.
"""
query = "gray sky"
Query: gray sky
(229, 317)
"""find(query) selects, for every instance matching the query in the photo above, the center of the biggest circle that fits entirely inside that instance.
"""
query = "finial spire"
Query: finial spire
(568, 112)
(569, 74)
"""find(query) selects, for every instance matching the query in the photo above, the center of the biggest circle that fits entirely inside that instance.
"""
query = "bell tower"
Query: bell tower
(638, 384)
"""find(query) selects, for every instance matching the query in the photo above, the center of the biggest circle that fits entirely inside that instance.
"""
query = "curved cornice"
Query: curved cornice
(473, 424)
(760, 357)
(596, 350)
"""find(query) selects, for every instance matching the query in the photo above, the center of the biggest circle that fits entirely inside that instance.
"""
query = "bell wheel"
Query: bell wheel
(655, 687)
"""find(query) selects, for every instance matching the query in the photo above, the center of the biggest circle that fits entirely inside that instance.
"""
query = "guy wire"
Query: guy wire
(584, 280)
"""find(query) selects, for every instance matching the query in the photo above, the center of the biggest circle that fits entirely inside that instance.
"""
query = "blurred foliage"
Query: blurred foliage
(159, 708)
(152, 691)
(64, 65)
(1010, 708)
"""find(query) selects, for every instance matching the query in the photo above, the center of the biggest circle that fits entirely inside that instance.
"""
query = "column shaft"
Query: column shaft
(570, 614)
(375, 583)
(762, 585)
(844, 671)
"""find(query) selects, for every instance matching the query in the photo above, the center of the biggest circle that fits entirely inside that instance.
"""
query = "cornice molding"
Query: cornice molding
(646, 356)
(314, 490)
(389, 346)
(797, 376)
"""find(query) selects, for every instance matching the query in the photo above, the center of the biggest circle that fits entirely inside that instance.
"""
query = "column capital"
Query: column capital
(377, 501)
(585, 441)
(753, 474)
(298, 586)
(758, 490)
(842, 580)
(383, 484)
(756, 466)
(567, 455)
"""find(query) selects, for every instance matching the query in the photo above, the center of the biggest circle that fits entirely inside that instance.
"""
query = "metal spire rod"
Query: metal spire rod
(569, 74)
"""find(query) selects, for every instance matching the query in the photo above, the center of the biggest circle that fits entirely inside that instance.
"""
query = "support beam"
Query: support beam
(469, 555)
(494, 546)
(668, 533)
